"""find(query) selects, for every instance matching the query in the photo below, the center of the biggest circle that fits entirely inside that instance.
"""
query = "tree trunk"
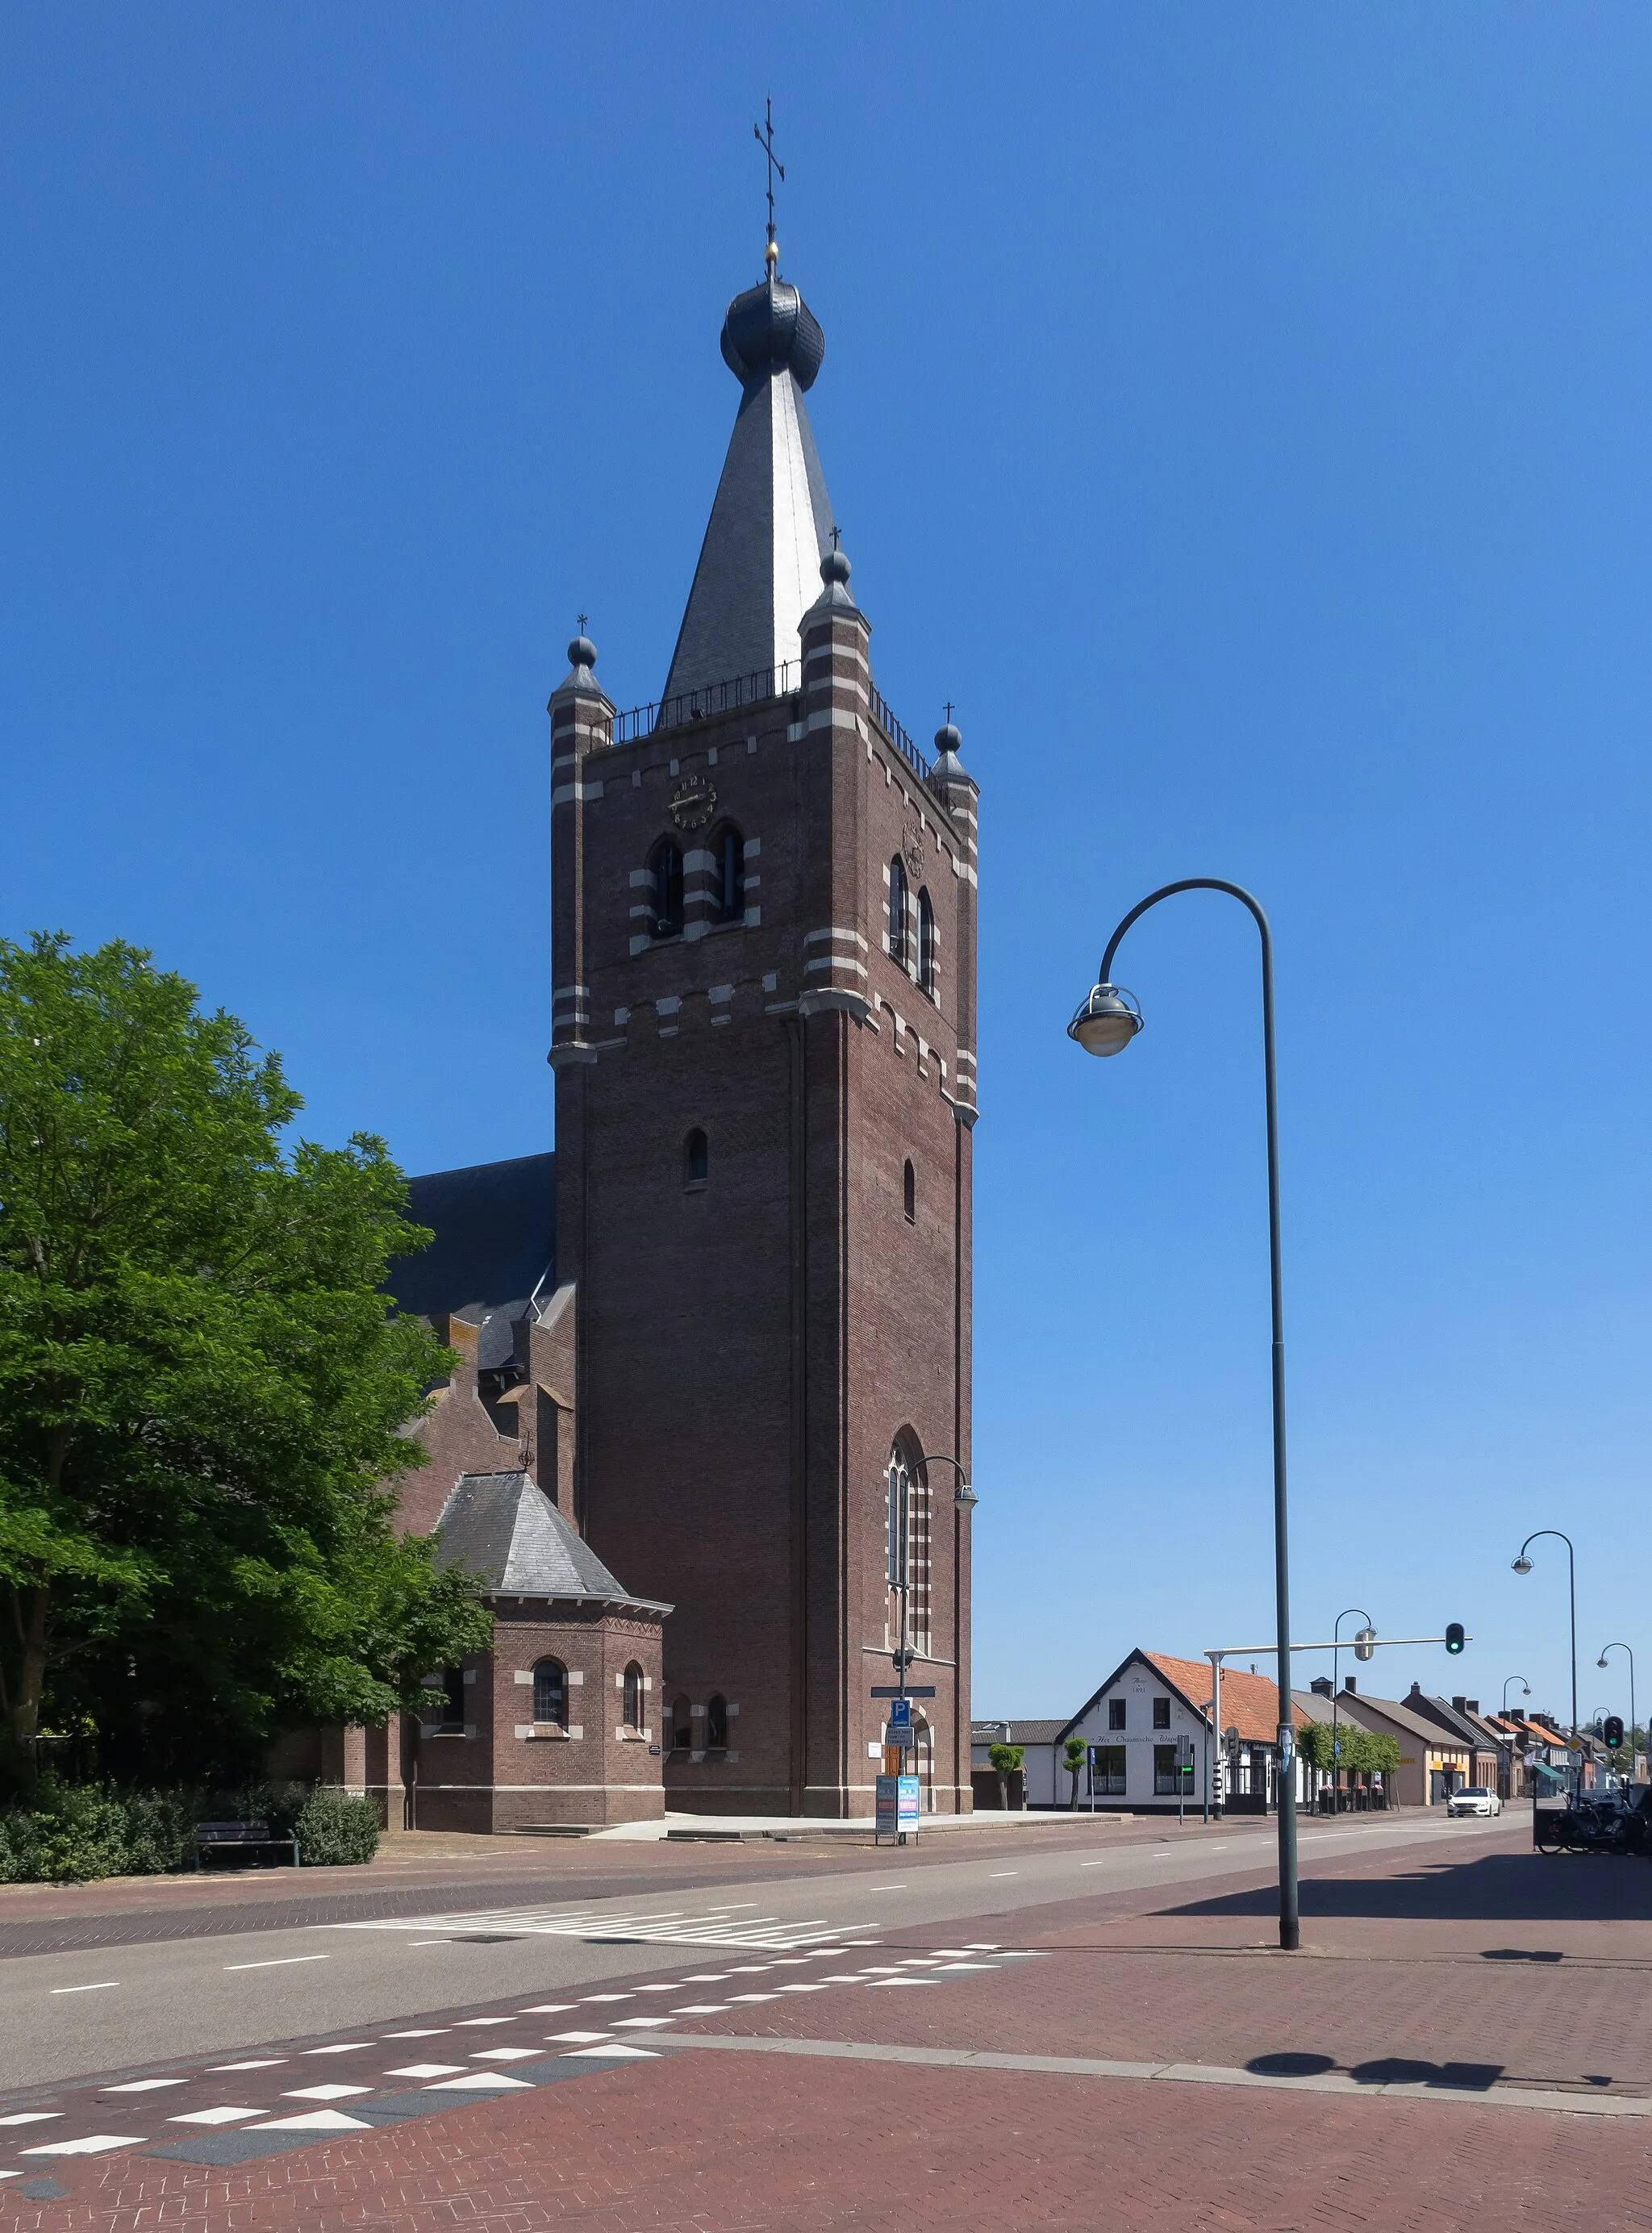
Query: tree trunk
(31, 1680)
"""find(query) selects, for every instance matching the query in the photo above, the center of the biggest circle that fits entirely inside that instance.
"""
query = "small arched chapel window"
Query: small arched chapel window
(550, 1692)
(898, 889)
(716, 1722)
(910, 1187)
(665, 885)
(925, 944)
(728, 876)
(682, 1725)
(634, 1697)
(697, 1159)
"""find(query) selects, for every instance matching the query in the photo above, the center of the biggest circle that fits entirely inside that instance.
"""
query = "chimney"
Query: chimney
(1349, 1686)
(1416, 1691)
(1473, 1705)
(1320, 1686)
(1461, 1706)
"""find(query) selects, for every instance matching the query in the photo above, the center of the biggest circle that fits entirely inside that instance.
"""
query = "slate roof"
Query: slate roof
(1356, 1705)
(1021, 1732)
(495, 1240)
(771, 519)
(503, 1528)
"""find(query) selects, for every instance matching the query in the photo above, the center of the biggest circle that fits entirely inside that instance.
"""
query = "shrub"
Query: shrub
(333, 1828)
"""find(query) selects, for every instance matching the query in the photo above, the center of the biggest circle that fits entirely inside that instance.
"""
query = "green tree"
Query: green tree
(201, 1388)
(1006, 1758)
(1072, 1755)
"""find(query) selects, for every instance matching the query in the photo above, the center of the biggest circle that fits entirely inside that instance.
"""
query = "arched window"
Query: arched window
(682, 1725)
(911, 1191)
(908, 1547)
(898, 910)
(697, 1162)
(716, 1722)
(550, 1692)
(925, 944)
(666, 875)
(634, 1697)
(728, 876)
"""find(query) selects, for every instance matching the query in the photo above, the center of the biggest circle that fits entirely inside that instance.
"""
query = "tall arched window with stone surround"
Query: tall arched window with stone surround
(898, 902)
(550, 1693)
(727, 888)
(925, 944)
(632, 1714)
(907, 1538)
(716, 1722)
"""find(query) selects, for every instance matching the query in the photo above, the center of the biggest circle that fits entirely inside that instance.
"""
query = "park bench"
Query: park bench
(237, 1836)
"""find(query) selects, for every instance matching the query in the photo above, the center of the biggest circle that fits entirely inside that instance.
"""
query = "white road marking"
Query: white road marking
(1003, 1872)
(323, 2093)
(285, 1962)
(641, 2023)
(506, 2054)
(427, 2070)
(224, 2116)
(479, 2081)
(345, 2047)
(614, 2049)
(704, 2009)
(93, 2144)
(142, 2086)
(32, 2117)
(260, 2062)
(313, 2120)
(108, 1986)
(435, 2032)
(579, 2034)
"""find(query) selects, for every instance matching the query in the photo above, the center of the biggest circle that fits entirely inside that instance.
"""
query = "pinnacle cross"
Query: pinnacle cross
(581, 618)
(835, 536)
(949, 712)
(764, 135)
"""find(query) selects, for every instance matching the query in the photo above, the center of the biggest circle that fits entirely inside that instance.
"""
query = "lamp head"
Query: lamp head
(1523, 1565)
(1601, 1662)
(1107, 1021)
(964, 1496)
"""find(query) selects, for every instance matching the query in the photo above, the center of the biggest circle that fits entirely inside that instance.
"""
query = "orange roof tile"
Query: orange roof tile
(1249, 1703)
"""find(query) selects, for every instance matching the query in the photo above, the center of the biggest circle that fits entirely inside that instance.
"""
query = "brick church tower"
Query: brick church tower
(764, 1043)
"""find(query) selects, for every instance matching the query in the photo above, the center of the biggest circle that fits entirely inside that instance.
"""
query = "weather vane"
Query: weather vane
(764, 135)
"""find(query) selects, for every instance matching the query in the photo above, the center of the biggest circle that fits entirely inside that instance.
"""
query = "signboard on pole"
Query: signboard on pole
(907, 1805)
(897, 1807)
(899, 1713)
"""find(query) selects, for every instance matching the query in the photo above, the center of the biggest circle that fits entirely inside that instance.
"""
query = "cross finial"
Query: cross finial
(949, 712)
(764, 135)
(581, 618)
(835, 536)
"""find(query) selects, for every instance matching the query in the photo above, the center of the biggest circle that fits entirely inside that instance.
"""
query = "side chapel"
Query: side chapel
(709, 1343)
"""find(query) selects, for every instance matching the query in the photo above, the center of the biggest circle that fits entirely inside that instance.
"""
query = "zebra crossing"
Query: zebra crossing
(727, 1926)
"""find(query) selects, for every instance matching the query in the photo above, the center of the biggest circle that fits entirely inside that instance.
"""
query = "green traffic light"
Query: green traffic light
(1455, 1637)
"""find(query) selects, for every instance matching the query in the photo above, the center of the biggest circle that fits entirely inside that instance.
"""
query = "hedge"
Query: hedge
(70, 1833)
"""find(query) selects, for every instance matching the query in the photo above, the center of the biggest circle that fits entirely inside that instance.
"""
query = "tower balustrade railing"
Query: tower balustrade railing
(754, 689)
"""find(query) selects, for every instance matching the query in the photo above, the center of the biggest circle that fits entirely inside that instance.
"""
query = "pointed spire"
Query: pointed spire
(771, 519)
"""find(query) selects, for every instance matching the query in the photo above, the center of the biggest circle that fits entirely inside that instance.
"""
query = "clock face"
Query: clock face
(693, 803)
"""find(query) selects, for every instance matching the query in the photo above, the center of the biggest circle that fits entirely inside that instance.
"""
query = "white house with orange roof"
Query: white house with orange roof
(1132, 1725)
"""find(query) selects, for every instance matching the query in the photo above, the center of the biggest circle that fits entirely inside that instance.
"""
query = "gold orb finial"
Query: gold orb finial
(772, 255)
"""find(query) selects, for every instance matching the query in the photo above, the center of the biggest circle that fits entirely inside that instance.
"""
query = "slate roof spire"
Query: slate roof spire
(771, 519)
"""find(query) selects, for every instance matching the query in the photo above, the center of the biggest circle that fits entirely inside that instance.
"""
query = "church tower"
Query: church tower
(764, 1043)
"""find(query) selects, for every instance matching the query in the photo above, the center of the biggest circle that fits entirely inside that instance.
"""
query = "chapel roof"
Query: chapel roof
(504, 1529)
(496, 1239)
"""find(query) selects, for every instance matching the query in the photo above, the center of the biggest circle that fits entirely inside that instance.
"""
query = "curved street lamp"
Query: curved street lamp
(1369, 1631)
(1601, 1662)
(1526, 1689)
(1108, 1019)
(1523, 1565)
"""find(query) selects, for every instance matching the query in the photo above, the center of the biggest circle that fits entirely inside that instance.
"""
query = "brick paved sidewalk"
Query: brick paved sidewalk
(727, 2139)
(691, 2144)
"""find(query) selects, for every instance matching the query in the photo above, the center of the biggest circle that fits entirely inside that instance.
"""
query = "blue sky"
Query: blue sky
(1242, 415)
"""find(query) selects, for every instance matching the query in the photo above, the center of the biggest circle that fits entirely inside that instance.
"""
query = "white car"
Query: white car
(1473, 1799)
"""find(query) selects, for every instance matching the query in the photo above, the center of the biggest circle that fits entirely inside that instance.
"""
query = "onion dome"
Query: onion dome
(948, 766)
(771, 329)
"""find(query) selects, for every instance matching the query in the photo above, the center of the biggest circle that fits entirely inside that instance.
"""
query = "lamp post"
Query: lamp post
(1369, 1630)
(1106, 1022)
(1508, 1743)
(964, 1501)
(1523, 1565)
(1601, 1662)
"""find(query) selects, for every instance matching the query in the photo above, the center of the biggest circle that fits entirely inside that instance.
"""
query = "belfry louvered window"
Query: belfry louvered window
(666, 882)
(898, 889)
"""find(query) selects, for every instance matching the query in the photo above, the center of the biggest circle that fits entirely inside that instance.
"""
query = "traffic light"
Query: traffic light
(1455, 1637)
(1612, 1731)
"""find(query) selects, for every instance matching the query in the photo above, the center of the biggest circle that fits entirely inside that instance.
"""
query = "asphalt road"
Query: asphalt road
(128, 2008)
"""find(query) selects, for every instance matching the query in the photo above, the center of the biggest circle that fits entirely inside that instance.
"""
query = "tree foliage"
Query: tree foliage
(201, 1391)
(1363, 1751)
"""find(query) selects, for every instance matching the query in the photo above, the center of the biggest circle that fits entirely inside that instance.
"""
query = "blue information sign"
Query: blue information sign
(899, 1713)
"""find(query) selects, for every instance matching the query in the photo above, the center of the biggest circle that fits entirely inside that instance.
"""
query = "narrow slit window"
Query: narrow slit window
(925, 944)
(909, 1185)
(716, 1722)
(697, 1161)
(634, 1697)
